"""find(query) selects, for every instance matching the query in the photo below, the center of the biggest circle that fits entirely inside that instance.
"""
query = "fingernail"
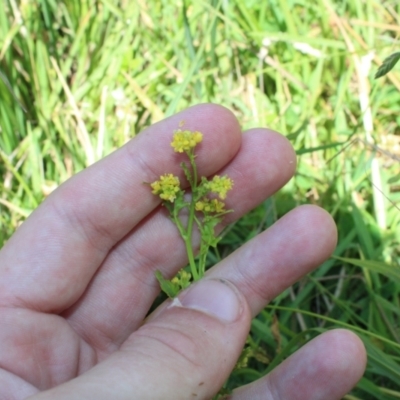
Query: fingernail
(215, 297)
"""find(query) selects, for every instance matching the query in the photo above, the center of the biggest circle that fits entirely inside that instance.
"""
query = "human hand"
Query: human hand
(77, 280)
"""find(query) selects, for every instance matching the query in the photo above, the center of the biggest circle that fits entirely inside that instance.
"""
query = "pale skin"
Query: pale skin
(77, 280)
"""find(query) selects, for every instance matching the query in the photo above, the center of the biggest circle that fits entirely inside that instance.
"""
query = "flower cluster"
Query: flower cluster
(210, 206)
(220, 185)
(185, 141)
(182, 279)
(166, 187)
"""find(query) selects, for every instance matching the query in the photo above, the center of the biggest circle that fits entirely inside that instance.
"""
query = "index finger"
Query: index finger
(49, 261)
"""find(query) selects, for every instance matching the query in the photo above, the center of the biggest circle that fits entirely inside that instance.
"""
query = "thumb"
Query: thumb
(185, 350)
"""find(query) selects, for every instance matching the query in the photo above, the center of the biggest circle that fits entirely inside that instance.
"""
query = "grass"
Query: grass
(92, 73)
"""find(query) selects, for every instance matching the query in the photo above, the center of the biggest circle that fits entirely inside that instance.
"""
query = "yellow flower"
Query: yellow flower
(182, 278)
(185, 140)
(218, 205)
(199, 206)
(210, 206)
(220, 185)
(166, 187)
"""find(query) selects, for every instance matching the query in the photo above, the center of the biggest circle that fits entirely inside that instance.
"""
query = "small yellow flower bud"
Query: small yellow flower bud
(210, 206)
(218, 206)
(199, 206)
(166, 187)
(220, 185)
(184, 141)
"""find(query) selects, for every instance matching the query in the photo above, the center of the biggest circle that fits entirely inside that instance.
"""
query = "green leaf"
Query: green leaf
(169, 288)
(303, 150)
(388, 64)
(6, 82)
(390, 271)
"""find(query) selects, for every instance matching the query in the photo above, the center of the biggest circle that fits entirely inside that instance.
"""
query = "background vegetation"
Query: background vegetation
(93, 73)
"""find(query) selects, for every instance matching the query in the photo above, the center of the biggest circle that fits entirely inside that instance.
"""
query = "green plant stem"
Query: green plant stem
(202, 260)
(193, 268)
(187, 238)
(188, 241)
(203, 250)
